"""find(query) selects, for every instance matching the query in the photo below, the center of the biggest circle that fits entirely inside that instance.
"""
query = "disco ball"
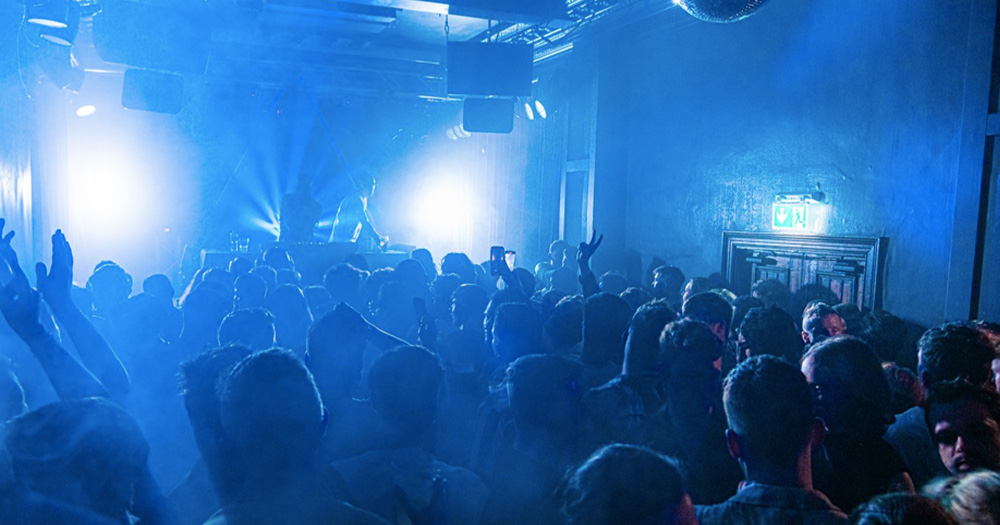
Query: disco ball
(720, 10)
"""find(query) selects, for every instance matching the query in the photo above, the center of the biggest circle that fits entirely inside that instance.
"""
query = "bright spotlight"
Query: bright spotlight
(86, 111)
(528, 111)
(442, 212)
(541, 109)
(54, 13)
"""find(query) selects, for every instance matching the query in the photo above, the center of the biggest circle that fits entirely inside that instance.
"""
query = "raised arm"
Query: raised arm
(583, 254)
(19, 304)
(95, 353)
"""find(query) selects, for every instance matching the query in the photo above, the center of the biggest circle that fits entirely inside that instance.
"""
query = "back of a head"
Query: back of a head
(411, 272)
(159, 286)
(954, 350)
(810, 294)
(865, 405)
(89, 451)
(628, 485)
(769, 406)
(885, 332)
(517, 331)
(564, 327)
(901, 509)
(459, 264)
(613, 282)
(741, 306)
(343, 280)
(469, 303)
(696, 285)
(526, 280)
(771, 331)
(204, 306)
(973, 498)
(200, 378)
(404, 386)
(688, 342)
(636, 297)
(335, 348)
(709, 308)
(544, 392)
(606, 318)
(253, 327)
(288, 301)
(424, 257)
(904, 388)
(772, 292)
(271, 411)
(642, 349)
(278, 258)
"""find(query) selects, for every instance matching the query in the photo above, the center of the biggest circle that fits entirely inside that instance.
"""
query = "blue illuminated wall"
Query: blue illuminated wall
(710, 122)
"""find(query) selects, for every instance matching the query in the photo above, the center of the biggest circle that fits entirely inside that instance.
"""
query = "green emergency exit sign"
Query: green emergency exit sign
(789, 216)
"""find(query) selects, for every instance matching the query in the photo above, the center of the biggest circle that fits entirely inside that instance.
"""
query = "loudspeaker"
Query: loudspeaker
(488, 115)
(153, 91)
(475, 68)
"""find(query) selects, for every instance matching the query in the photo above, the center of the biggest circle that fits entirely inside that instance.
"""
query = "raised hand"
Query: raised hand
(18, 301)
(55, 284)
(586, 250)
(6, 251)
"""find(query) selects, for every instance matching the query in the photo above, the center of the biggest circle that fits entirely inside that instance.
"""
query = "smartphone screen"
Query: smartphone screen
(496, 259)
(511, 257)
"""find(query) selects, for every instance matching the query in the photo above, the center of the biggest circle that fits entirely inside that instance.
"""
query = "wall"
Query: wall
(863, 98)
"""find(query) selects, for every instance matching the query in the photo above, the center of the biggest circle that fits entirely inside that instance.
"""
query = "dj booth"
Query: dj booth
(312, 260)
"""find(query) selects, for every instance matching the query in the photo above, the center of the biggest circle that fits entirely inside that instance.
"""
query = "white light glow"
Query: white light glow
(528, 111)
(442, 212)
(541, 109)
(86, 111)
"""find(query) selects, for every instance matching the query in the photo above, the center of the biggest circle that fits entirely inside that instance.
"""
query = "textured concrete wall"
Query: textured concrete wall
(864, 98)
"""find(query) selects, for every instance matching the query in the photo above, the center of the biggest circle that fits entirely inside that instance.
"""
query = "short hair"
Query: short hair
(565, 324)
(471, 298)
(685, 339)
(770, 407)
(643, 346)
(404, 386)
(885, 332)
(854, 365)
(957, 391)
(771, 292)
(636, 297)
(955, 350)
(253, 327)
(623, 484)
(971, 498)
(771, 331)
(709, 308)
(459, 264)
(605, 321)
(270, 407)
(812, 317)
(520, 327)
(537, 383)
(904, 387)
(613, 282)
(901, 508)
(200, 378)
(342, 278)
(699, 285)
(810, 294)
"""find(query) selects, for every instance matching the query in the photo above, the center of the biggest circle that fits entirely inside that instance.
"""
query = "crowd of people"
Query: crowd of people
(445, 394)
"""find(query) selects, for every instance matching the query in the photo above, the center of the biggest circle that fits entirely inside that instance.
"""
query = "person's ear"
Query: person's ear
(805, 337)
(817, 434)
(733, 444)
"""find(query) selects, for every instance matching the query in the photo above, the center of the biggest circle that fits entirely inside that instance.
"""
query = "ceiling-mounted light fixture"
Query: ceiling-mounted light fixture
(63, 35)
(720, 11)
(48, 13)
(540, 109)
(528, 112)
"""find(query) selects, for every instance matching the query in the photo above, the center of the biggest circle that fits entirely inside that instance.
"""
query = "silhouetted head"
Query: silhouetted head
(269, 274)
(404, 387)
(606, 320)
(772, 292)
(742, 305)
(711, 309)
(642, 348)
(564, 327)
(694, 286)
(291, 315)
(954, 350)
(526, 280)
(852, 392)
(287, 276)
(901, 509)
(271, 411)
(250, 292)
(411, 273)
(628, 485)
(885, 332)
(110, 286)
(517, 331)
(904, 388)
(278, 258)
(636, 297)
(423, 256)
(253, 328)
(459, 264)
(770, 413)
(690, 358)
(468, 306)
(770, 331)
(545, 394)
(964, 420)
(613, 283)
(343, 282)
(557, 253)
(159, 286)
(319, 300)
(203, 311)
(335, 349)
(240, 266)
(87, 452)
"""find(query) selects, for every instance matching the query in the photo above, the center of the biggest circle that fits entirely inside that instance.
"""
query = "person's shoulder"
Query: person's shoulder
(911, 420)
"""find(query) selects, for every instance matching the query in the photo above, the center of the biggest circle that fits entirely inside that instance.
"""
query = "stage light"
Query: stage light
(442, 212)
(540, 109)
(86, 111)
(720, 11)
(528, 112)
(63, 34)
(51, 13)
